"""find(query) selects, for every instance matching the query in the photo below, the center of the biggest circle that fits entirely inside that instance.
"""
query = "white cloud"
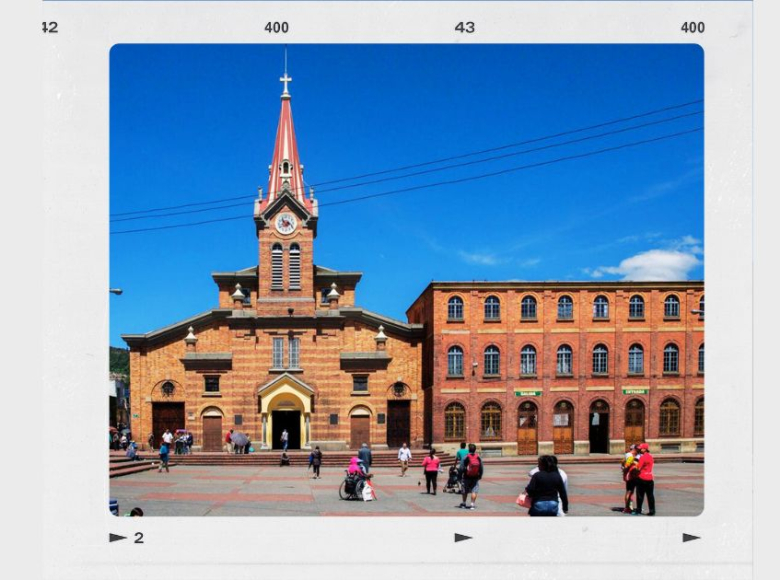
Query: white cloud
(480, 258)
(654, 265)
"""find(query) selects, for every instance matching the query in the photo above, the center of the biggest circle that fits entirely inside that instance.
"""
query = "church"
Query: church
(517, 367)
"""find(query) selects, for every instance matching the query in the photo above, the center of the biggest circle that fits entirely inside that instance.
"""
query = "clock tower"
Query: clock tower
(286, 223)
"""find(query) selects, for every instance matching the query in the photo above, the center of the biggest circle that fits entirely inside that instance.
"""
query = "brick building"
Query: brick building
(286, 347)
(563, 367)
(521, 367)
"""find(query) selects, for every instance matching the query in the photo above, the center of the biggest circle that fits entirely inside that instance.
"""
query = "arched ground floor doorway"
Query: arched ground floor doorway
(527, 430)
(635, 422)
(598, 427)
(213, 437)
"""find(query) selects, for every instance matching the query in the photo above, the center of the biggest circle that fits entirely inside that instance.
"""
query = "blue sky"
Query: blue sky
(195, 123)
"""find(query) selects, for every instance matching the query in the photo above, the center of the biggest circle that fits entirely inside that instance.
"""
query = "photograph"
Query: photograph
(459, 279)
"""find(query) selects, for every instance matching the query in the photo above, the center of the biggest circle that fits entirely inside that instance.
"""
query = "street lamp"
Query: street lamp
(116, 291)
(699, 312)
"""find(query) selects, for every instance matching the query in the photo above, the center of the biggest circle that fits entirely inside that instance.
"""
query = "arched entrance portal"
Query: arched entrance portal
(635, 422)
(285, 404)
(563, 428)
(527, 429)
(598, 427)
(285, 417)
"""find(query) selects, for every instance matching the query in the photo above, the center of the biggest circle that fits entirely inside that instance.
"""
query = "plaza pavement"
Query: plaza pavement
(594, 490)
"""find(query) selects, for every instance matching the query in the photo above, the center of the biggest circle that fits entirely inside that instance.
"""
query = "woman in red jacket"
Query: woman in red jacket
(645, 484)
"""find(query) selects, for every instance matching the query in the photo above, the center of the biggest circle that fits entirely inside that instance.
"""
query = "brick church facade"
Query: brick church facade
(516, 367)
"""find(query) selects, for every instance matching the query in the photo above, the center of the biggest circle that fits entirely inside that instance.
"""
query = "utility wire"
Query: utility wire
(438, 184)
(436, 169)
(433, 162)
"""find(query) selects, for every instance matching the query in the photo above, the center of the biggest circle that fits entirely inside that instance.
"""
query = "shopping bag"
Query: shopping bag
(368, 492)
(523, 500)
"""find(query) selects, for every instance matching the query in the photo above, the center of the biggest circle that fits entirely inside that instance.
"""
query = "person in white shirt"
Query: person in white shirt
(404, 456)
(167, 437)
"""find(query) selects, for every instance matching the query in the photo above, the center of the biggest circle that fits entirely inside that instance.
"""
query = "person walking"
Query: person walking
(473, 471)
(316, 461)
(545, 487)
(164, 456)
(285, 439)
(365, 456)
(564, 477)
(190, 440)
(404, 456)
(645, 486)
(150, 441)
(431, 470)
(123, 442)
(229, 441)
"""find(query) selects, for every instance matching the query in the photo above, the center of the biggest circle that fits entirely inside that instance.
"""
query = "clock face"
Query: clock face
(285, 223)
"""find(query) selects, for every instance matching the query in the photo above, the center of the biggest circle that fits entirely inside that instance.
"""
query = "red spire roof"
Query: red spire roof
(286, 171)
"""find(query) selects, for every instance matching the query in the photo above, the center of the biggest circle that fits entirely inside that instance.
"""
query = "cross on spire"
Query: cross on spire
(285, 79)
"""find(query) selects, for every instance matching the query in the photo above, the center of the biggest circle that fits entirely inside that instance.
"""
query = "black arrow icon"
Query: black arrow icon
(114, 537)
(461, 537)
(688, 537)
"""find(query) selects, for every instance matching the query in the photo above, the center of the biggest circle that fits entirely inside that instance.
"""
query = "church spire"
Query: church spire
(286, 171)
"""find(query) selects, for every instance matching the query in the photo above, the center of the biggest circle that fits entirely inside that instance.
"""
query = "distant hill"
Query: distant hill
(119, 361)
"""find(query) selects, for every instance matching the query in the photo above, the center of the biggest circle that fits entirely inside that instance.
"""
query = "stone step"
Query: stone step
(119, 469)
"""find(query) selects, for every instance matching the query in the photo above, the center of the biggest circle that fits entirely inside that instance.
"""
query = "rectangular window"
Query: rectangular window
(360, 384)
(278, 362)
(211, 384)
(295, 345)
(324, 295)
(247, 295)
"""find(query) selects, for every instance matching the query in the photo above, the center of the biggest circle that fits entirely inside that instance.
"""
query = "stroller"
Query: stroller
(454, 482)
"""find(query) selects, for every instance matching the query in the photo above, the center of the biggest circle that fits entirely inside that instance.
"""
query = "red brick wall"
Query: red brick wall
(510, 334)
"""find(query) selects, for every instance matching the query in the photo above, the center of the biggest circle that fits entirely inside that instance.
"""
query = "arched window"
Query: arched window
(600, 360)
(492, 308)
(565, 308)
(636, 360)
(528, 308)
(601, 307)
(277, 270)
(636, 307)
(455, 308)
(701, 306)
(669, 421)
(295, 267)
(701, 359)
(454, 421)
(492, 360)
(671, 359)
(672, 307)
(455, 361)
(564, 367)
(528, 361)
(698, 418)
(490, 421)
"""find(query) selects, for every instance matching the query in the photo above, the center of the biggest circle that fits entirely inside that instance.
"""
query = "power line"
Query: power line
(437, 169)
(433, 162)
(447, 182)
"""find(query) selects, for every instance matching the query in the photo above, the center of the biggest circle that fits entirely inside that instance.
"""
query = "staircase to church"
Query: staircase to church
(119, 465)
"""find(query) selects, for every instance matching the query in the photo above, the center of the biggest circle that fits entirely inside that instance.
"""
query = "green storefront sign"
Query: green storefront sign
(636, 391)
(528, 393)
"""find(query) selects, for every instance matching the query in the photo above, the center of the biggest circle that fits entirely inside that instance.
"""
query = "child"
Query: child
(164, 458)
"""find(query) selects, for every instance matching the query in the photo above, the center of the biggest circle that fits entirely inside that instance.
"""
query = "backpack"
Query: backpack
(472, 468)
